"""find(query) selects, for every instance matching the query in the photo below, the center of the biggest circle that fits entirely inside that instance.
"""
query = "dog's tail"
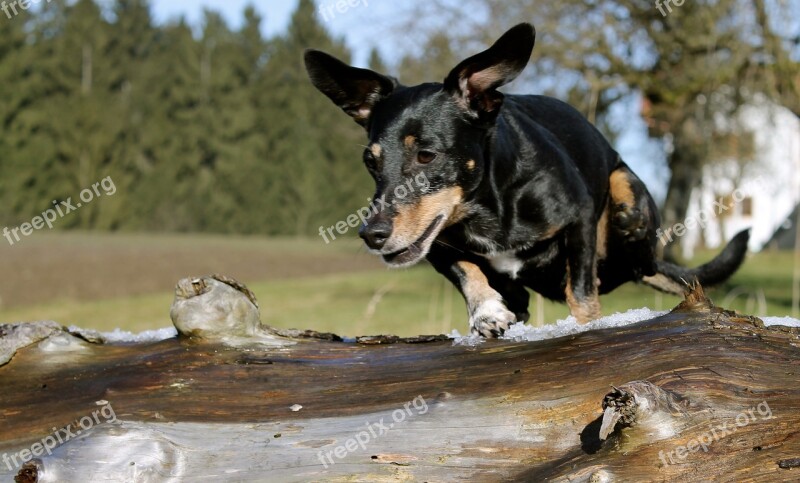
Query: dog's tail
(673, 278)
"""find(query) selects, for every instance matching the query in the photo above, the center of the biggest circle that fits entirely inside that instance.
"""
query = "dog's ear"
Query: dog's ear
(354, 90)
(474, 82)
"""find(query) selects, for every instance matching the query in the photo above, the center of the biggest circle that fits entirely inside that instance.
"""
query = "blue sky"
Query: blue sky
(276, 12)
(353, 25)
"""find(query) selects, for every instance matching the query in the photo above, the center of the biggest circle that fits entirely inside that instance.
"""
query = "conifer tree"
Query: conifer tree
(312, 152)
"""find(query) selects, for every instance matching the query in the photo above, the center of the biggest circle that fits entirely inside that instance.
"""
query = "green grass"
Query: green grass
(405, 302)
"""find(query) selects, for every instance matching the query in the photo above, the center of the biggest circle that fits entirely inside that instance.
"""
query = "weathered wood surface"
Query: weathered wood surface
(502, 411)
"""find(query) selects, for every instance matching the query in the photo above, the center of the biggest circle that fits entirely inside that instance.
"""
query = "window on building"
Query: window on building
(747, 206)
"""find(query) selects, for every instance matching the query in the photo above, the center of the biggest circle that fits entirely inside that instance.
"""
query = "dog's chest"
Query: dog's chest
(506, 262)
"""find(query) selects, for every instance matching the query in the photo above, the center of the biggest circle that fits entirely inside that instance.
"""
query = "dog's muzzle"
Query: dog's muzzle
(414, 252)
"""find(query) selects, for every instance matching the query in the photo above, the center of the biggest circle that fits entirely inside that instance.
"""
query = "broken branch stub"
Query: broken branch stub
(641, 403)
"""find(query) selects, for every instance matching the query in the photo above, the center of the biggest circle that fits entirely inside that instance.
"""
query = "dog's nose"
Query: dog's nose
(375, 233)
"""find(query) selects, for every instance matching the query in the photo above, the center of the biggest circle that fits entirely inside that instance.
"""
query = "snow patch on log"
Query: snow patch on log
(118, 336)
(564, 327)
(785, 321)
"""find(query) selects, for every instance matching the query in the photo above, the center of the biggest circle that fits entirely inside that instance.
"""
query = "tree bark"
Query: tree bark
(685, 176)
(696, 394)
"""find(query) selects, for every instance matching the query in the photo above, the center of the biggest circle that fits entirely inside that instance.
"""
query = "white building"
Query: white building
(759, 194)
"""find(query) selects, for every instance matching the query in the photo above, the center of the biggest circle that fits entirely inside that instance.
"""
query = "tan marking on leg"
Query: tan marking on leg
(471, 164)
(587, 310)
(412, 220)
(602, 234)
(621, 189)
(376, 150)
(550, 233)
(488, 314)
(476, 288)
(409, 141)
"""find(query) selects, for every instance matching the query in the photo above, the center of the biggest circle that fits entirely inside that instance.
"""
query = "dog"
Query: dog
(524, 191)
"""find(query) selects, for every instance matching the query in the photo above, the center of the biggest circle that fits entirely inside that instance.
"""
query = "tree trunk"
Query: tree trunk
(696, 394)
(685, 177)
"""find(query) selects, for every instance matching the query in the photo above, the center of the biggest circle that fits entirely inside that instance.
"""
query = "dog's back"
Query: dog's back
(558, 131)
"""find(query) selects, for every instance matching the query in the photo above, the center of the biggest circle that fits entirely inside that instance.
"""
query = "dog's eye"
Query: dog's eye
(425, 157)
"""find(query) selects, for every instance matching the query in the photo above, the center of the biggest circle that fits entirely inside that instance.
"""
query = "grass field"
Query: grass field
(126, 281)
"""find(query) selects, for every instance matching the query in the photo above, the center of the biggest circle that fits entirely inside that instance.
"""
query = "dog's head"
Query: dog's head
(426, 143)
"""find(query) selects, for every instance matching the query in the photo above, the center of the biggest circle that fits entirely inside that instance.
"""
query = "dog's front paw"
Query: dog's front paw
(491, 319)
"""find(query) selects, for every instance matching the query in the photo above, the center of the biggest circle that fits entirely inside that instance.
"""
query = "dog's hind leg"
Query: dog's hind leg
(634, 219)
(632, 207)
(582, 291)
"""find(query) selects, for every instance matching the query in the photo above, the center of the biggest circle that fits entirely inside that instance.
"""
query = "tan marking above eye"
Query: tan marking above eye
(471, 164)
(410, 141)
(376, 150)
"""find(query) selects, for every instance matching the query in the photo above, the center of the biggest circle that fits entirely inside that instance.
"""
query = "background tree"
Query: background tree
(376, 62)
(434, 61)
(312, 153)
(212, 129)
(215, 129)
(691, 66)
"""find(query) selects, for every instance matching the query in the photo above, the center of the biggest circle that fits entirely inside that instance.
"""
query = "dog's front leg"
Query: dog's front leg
(489, 314)
(582, 294)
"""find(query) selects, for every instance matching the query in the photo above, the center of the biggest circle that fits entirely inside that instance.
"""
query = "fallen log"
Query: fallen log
(696, 394)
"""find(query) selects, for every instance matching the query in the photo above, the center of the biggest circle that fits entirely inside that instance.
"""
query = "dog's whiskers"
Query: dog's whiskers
(448, 245)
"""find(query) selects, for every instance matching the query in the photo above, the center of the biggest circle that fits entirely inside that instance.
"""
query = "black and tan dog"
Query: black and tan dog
(524, 191)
